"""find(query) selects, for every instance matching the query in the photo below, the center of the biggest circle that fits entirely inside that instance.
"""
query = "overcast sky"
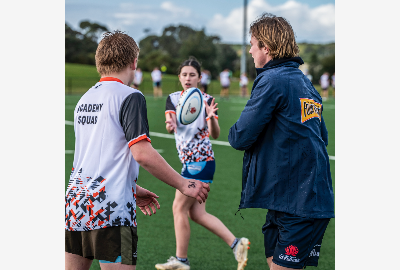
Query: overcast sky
(312, 20)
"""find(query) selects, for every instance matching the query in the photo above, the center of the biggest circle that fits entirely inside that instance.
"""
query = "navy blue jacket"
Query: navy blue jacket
(285, 164)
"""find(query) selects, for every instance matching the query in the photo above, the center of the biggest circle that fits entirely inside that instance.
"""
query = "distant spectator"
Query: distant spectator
(308, 75)
(138, 78)
(224, 78)
(156, 76)
(333, 83)
(205, 80)
(243, 85)
(324, 82)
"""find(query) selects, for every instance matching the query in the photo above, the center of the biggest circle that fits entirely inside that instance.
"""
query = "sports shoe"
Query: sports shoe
(173, 263)
(240, 252)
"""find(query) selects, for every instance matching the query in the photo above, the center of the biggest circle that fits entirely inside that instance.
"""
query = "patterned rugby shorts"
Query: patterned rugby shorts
(203, 170)
(293, 241)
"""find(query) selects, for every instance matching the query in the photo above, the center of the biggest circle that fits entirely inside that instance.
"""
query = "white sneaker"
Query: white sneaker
(173, 263)
(240, 252)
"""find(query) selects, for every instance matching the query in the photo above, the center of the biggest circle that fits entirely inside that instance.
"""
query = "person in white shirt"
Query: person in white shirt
(324, 82)
(205, 80)
(111, 141)
(156, 76)
(333, 83)
(138, 78)
(308, 75)
(244, 81)
(224, 78)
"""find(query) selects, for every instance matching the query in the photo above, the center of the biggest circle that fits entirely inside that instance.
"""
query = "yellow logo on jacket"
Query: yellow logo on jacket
(310, 109)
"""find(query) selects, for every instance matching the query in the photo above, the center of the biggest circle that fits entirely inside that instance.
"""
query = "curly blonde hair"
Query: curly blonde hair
(276, 33)
(115, 51)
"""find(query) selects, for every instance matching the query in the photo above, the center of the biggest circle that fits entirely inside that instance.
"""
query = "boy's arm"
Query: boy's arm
(154, 163)
(146, 200)
(265, 98)
(324, 131)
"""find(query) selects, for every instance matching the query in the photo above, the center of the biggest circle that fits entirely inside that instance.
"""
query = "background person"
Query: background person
(244, 81)
(138, 78)
(102, 194)
(205, 80)
(285, 165)
(156, 77)
(333, 83)
(224, 78)
(308, 75)
(324, 82)
(197, 157)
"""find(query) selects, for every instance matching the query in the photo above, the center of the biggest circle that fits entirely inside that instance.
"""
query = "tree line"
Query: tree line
(178, 43)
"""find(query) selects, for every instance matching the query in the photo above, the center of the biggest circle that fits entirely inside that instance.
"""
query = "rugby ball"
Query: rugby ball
(189, 106)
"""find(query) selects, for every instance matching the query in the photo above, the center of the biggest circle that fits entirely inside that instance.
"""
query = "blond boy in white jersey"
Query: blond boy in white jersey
(112, 140)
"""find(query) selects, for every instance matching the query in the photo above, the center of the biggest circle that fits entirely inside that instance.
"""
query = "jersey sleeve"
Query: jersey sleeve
(169, 106)
(133, 119)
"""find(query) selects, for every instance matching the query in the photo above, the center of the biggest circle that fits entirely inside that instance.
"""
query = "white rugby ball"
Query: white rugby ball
(189, 106)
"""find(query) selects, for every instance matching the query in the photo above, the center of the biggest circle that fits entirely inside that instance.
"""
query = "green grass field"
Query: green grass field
(79, 78)
(206, 251)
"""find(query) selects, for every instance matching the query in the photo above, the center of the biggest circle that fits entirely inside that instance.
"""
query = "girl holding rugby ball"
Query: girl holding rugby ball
(197, 157)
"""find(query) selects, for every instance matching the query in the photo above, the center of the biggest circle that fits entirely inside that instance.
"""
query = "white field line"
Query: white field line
(169, 136)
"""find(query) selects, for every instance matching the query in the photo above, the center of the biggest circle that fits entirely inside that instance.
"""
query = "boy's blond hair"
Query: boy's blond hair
(115, 51)
(276, 33)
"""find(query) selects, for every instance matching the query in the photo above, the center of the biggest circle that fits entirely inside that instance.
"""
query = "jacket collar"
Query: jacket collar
(278, 62)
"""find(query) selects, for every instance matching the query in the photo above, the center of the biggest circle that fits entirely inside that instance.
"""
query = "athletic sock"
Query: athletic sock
(234, 243)
(184, 260)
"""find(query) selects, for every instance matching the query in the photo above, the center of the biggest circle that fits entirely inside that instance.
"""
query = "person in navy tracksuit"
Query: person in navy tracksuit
(285, 165)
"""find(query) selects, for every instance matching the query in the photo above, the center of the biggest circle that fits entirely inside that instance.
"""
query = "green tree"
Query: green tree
(314, 68)
(328, 64)
(226, 58)
(81, 45)
(92, 31)
(180, 42)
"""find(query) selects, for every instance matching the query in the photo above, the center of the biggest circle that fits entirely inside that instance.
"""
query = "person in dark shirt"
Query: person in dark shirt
(285, 165)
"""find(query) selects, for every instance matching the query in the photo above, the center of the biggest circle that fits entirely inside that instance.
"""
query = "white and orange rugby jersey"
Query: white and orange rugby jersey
(108, 120)
(192, 141)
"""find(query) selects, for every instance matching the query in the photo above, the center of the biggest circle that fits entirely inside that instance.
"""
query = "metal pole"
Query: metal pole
(243, 58)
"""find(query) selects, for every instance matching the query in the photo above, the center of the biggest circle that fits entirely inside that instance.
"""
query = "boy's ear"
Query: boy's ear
(133, 65)
(265, 49)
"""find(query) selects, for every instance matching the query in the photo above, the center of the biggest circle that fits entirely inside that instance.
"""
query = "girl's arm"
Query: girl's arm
(212, 119)
(170, 122)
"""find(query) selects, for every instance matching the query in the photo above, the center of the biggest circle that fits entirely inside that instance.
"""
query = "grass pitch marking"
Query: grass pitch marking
(169, 136)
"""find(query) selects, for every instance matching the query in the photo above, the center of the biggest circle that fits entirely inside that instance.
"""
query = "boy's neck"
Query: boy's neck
(126, 75)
